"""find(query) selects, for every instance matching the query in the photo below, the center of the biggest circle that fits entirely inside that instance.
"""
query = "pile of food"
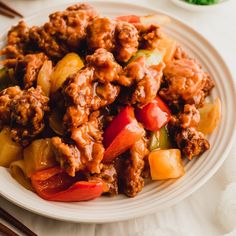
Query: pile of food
(91, 105)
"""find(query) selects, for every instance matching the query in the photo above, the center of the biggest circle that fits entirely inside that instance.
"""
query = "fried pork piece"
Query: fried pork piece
(209, 85)
(83, 96)
(190, 116)
(109, 177)
(87, 152)
(75, 116)
(186, 83)
(126, 41)
(180, 53)
(47, 43)
(191, 142)
(88, 138)
(65, 31)
(131, 166)
(77, 92)
(70, 25)
(27, 68)
(25, 110)
(90, 89)
(68, 155)
(120, 38)
(78, 88)
(183, 128)
(144, 79)
(133, 181)
(105, 95)
(101, 34)
(17, 41)
(106, 68)
(149, 35)
(6, 97)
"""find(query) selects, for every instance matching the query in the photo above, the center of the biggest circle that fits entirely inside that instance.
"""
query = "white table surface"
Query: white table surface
(195, 215)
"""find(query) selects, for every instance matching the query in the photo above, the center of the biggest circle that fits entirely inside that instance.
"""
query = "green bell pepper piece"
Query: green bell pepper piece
(152, 57)
(160, 139)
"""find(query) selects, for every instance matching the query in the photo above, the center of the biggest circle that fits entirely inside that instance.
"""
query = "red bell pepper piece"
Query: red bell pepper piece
(129, 18)
(54, 184)
(121, 134)
(154, 115)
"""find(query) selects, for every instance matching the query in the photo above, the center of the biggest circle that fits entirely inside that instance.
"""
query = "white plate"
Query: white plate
(199, 8)
(156, 195)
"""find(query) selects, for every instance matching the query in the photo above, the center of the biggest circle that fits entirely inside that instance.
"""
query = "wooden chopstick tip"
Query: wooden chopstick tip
(9, 10)
(6, 13)
(16, 223)
(7, 231)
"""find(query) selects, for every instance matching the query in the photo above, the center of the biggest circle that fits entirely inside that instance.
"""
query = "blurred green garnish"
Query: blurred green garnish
(202, 2)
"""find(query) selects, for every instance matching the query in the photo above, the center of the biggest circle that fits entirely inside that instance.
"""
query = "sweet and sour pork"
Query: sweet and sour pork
(89, 99)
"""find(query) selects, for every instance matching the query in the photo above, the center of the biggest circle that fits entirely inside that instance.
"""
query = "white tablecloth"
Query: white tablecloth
(195, 215)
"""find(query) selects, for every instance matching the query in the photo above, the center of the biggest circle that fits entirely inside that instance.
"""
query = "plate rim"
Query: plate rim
(194, 187)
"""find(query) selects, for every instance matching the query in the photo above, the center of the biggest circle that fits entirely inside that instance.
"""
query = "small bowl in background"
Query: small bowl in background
(194, 7)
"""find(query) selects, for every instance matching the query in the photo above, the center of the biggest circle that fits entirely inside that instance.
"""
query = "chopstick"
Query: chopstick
(13, 221)
(4, 229)
(8, 11)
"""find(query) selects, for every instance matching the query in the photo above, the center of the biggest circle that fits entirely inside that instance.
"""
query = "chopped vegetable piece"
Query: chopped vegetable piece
(155, 19)
(129, 18)
(154, 140)
(168, 45)
(210, 115)
(154, 115)
(55, 184)
(44, 75)
(55, 122)
(39, 155)
(125, 117)
(166, 164)
(202, 2)
(17, 169)
(164, 138)
(154, 57)
(160, 139)
(121, 134)
(9, 151)
(67, 66)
